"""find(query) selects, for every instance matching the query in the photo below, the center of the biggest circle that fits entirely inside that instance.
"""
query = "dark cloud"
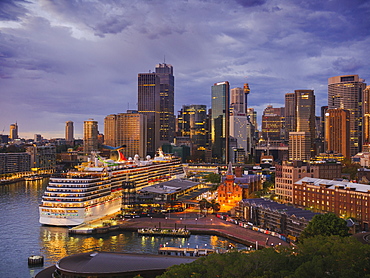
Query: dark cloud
(74, 60)
(12, 10)
(251, 3)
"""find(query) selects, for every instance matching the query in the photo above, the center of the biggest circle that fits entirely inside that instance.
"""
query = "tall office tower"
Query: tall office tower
(90, 136)
(167, 89)
(345, 92)
(239, 100)
(149, 105)
(289, 114)
(127, 129)
(322, 122)
(273, 123)
(69, 133)
(220, 122)
(13, 134)
(192, 123)
(305, 112)
(299, 146)
(132, 132)
(366, 115)
(337, 131)
(110, 130)
(242, 130)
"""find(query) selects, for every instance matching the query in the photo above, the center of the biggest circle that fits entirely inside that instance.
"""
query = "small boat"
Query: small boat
(164, 232)
(32, 178)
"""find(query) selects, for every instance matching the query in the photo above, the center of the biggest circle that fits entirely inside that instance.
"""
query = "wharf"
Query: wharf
(210, 225)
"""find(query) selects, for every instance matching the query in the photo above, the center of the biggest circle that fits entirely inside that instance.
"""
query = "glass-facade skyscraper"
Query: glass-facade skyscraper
(220, 122)
(156, 101)
(167, 93)
(149, 105)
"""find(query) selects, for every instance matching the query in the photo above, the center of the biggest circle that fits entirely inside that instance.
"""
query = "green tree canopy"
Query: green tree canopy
(326, 225)
(213, 178)
(320, 256)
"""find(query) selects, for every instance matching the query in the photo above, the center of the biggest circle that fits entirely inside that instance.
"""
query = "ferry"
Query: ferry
(95, 188)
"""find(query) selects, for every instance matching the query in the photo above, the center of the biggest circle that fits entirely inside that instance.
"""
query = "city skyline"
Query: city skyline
(72, 61)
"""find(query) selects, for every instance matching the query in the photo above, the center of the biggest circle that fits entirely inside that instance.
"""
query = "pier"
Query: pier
(210, 225)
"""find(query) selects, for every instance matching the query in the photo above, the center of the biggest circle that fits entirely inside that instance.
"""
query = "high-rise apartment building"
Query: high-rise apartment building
(42, 157)
(273, 123)
(69, 133)
(167, 93)
(149, 105)
(127, 129)
(13, 133)
(90, 136)
(220, 121)
(345, 92)
(337, 135)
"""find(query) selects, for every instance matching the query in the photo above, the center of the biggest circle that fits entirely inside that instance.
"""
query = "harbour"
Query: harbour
(23, 236)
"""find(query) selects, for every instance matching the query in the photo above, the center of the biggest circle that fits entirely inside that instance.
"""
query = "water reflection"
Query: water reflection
(58, 244)
(22, 235)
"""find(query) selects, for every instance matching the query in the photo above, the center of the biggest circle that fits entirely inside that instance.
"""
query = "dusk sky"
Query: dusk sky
(73, 60)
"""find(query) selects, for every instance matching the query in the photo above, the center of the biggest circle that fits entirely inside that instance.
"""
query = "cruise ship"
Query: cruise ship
(94, 189)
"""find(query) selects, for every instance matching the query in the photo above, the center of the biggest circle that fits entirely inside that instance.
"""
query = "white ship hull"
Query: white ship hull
(77, 216)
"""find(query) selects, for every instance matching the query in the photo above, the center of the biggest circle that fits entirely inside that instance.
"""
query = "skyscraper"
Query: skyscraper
(337, 135)
(345, 92)
(167, 88)
(90, 136)
(289, 114)
(127, 129)
(13, 134)
(220, 121)
(273, 123)
(69, 133)
(366, 115)
(149, 105)
(156, 101)
(192, 123)
(305, 113)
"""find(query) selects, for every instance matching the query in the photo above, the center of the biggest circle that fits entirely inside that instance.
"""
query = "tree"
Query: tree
(326, 225)
(213, 178)
(318, 256)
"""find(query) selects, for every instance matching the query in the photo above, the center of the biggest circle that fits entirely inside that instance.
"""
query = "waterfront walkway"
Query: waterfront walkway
(209, 224)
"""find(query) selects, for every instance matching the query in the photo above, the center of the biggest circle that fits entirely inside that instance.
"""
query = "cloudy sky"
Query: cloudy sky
(73, 60)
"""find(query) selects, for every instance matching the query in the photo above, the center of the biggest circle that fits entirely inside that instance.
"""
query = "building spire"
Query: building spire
(230, 169)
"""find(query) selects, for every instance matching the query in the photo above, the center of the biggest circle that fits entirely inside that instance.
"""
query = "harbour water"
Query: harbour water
(23, 236)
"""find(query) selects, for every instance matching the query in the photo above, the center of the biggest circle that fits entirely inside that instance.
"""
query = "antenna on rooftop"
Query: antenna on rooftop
(164, 59)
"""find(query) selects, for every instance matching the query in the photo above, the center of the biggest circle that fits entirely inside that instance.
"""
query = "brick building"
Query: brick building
(290, 172)
(345, 199)
(283, 219)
